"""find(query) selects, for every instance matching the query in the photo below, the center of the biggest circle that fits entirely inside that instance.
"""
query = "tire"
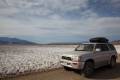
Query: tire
(112, 62)
(67, 68)
(88, 69)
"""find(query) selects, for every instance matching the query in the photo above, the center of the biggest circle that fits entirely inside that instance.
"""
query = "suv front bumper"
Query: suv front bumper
(71, 64)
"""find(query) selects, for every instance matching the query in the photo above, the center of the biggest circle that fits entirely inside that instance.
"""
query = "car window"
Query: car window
(103, 47)
(85, 47)
(111, 47)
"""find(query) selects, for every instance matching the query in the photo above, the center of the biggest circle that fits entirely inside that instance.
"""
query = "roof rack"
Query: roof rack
(99, 40)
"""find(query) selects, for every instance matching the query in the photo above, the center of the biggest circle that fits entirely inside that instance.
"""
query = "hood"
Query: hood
(76, 53)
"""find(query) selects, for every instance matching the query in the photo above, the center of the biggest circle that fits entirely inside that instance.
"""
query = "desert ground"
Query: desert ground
(103, 73)
(42, 63)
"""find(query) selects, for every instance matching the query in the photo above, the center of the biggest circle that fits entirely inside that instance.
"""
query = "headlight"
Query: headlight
(76, 59)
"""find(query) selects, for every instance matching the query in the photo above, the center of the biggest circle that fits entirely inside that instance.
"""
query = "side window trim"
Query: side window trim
(94, 47)
(109, 47)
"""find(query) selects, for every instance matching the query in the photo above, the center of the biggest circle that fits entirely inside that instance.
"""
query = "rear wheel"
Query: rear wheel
(112, 62)
(88, 69)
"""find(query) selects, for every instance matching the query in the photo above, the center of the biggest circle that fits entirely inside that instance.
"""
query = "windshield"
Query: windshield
(85, 47)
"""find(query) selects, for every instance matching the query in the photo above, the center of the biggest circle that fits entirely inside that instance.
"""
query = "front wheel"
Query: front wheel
(88, 69)
(67, 68)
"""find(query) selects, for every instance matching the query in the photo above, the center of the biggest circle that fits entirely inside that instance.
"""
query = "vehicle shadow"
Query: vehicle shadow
(107, 73)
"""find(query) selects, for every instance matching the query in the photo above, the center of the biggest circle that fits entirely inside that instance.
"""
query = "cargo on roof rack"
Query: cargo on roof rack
(99, 40)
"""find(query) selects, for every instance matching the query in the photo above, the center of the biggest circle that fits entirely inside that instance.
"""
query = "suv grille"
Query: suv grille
(66, 58)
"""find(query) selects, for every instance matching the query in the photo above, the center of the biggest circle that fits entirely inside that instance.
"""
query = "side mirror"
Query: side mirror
(97, 49)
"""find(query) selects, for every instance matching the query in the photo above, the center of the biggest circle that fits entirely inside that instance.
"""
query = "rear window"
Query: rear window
(111, 47)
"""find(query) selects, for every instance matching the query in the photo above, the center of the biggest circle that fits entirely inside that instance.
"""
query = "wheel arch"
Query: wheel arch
(90, 60)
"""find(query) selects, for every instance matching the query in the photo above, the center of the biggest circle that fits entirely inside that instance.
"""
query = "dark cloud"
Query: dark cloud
(105, 7)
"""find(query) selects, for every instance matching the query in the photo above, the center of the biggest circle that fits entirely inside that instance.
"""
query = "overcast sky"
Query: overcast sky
(46, 21)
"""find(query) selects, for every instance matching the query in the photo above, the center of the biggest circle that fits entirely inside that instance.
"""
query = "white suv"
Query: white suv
(89, 56)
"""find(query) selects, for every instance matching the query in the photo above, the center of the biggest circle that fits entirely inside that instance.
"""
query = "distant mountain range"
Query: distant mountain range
(65, 43)
(116, 42)
(7, 40)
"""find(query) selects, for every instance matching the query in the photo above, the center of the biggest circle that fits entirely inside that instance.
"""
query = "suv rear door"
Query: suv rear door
(101, 57)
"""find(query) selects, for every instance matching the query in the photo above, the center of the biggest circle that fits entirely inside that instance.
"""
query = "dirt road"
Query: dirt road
(103, 73)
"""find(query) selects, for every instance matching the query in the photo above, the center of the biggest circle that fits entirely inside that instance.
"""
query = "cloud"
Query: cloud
(56, 18)
(41, 7)
(91, 26)
(105, 7)
(115, 3)
(16, 28)
(8, 11)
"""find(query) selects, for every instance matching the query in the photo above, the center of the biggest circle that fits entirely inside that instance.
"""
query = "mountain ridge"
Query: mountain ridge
(8, 40)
